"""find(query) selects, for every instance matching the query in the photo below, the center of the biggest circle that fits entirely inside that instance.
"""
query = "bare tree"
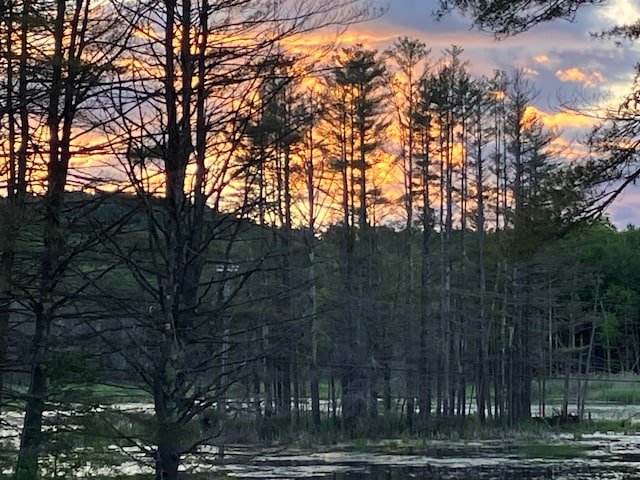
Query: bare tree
(14, 166)
(409, 55)
(356, 121)
(194, 77)
(66, 77)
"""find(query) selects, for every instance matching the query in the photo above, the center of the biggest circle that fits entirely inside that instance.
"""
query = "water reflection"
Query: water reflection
(598, 456)
(511, 469)
(504, 472)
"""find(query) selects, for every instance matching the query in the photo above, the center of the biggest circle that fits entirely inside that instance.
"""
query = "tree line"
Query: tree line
(193, 207)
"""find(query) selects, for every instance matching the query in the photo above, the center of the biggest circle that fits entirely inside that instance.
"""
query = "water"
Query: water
(510, 472)
(504, 469)
(601, 457)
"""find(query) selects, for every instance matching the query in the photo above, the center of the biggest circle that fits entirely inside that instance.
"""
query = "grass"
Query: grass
(628, 393)
(80, 393)
(617, 426)
(554, 450)
(187, 476)
(360, 444)
(621, 388)
(99, 393)
(137, 476)
(111, 393)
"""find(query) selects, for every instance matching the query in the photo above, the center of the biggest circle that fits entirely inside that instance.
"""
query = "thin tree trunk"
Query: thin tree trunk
(483, 394)
(32, 438)
(58, 161)
(315, 374)
(426, 357)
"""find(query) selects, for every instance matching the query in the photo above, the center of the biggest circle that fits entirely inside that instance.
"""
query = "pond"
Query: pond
(592, 457)
(598, 456)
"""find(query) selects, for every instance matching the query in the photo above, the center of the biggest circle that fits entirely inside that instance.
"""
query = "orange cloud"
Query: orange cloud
(568, 150)
(322, 40)
(562, 120)
(574, 74)
(543, 59)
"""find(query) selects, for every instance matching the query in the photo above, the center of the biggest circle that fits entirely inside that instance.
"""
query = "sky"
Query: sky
(564, 62)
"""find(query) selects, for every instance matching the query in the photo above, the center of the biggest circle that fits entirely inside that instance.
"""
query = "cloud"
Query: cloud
(619, 11)
(574, 74)
(542, 59)
(568, 64)
(562, 120)
(624, 210)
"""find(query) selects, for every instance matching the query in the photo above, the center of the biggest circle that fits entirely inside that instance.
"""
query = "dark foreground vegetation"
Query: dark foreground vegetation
(249, 370)
(259, 237)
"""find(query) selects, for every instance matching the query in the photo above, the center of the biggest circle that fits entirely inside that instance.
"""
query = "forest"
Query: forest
(255, 234)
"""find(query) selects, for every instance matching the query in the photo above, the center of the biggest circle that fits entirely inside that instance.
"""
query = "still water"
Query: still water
(505, 472)
(556, 470)
(601, 457)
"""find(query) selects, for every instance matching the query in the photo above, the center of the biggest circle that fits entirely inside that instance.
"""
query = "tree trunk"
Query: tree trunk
(315, 374)
(168, 449)
(32, 438)
(426, 358)
(54, 240)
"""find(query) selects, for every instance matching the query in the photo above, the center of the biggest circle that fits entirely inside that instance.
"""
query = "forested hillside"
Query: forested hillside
(260, 236)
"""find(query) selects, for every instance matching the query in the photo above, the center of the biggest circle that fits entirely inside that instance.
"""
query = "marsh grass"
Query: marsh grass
(627, 393)
(554, 450)
(621, 388)
(110, 394)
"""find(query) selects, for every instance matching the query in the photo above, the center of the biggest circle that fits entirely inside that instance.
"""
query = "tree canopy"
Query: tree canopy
(615, 143)
(507, 17)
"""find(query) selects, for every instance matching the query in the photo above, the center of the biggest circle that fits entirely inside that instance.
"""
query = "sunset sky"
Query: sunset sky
(564, 62)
